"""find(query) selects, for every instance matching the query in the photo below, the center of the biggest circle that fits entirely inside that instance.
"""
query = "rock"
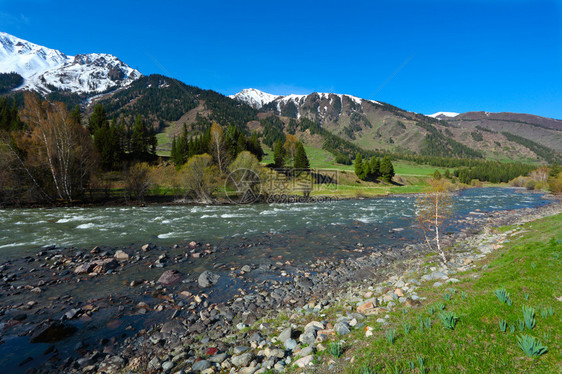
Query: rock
(306, 351)
(84, 268)
(290, 344)
(201, 365)
(309, 337)
(207, 279)
(314, 325)
(72, 313)
(368, 308)
(95, 250)
(173, 327)
(146, 248)
(112, 364)
(121, 255)
(219, 358)
(36, 290)
(246, 269)
(51, 332)
(342, 328)
(434, 276)
(399, 292)
(274, 352)
(242, 360)
(240, 349)
(168, 365)
(305, 361)
(285, 335)
(170, 277)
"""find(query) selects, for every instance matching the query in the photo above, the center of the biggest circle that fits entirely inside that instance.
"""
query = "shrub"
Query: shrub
(530, 184)
(336, 349)
(449, 319)
(503, 296)
(390, 335)
(529, 317)
(531, 346)
(503, 325)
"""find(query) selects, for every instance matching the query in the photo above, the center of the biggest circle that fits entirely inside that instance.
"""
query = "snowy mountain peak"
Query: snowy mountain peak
(26, 58)
(439, 115)
(46, 70)
(253, 97)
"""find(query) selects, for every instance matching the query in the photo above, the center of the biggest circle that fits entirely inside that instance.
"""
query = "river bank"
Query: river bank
(150, 306)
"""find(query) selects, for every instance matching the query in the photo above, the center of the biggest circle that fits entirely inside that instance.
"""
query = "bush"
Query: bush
(555, 183)
(530, 184)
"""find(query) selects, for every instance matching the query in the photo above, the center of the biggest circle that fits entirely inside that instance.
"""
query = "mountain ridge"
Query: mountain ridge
(47, 70)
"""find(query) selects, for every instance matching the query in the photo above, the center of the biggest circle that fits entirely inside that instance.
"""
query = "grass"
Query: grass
(475, 343)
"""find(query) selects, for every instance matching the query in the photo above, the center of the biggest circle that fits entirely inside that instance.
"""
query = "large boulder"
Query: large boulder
(208, 279)
(170, 277)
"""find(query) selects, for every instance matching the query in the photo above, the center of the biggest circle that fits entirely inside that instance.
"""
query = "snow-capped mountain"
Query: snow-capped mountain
(440, 115)
(254, 98)
(293, 105)
(46, 70)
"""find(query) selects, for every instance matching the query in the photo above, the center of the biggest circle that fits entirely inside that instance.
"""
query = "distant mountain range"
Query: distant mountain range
(364, 124)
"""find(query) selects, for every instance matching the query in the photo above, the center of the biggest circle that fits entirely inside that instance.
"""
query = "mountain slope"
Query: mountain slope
(374, 125)
(48, 70)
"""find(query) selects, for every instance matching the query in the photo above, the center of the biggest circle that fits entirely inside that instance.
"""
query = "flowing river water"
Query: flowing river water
(24, 231)
(241, 234)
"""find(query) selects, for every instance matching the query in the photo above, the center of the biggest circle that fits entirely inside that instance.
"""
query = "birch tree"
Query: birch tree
(55, 142)
(433, 209)
(218, 147)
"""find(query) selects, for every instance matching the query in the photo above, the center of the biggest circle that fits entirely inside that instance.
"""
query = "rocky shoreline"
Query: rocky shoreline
(249, 319)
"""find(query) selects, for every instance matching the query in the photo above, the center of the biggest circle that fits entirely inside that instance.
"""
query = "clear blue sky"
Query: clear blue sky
(424, 55)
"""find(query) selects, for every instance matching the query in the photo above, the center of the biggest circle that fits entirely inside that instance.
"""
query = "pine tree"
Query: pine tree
(359, 168)
(140, 139)
(97, 119)
(279, 154)
(375, 168)
(301, 160)
(387, 170)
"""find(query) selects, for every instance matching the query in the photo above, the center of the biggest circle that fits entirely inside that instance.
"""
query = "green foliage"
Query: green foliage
(449, 319)
(301, 160)
(9, 81)
(531, 346)
(390, 335)
(529, 317)
(436, 144)
(336, 349)
(503, 296)
(407, 326)
(359, 168)
(546, 153)
(520, 325)
(440, 306)
(447, 296)
(279, 154)
(492, 171)
(386, 169)
(272, 131)
(431, 309)
(9, 116)
(502, 325)
(477, 136)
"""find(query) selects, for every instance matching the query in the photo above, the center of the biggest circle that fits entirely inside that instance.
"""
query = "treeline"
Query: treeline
(233, 141)
(9, 81)
(9, 116)
(540, 150)
(494, 172)
(120, 141)
(437, 145)
(374, 168)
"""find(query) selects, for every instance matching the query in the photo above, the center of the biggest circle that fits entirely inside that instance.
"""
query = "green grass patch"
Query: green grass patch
(472, 330)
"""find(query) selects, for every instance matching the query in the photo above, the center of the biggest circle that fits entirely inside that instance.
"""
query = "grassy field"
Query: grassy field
(528, 267)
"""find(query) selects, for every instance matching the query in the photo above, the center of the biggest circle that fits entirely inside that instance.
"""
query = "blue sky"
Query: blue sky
(421, 55)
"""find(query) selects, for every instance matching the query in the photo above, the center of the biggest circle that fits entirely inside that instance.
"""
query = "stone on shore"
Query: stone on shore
(170, 277)
(207, 279)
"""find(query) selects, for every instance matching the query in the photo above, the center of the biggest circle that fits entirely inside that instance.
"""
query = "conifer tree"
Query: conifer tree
(387, 170)
(301, 160)
(279, 154)
(359, 168)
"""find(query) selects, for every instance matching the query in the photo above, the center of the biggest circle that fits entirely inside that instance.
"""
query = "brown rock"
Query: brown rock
(170, 277)
(399, 292)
